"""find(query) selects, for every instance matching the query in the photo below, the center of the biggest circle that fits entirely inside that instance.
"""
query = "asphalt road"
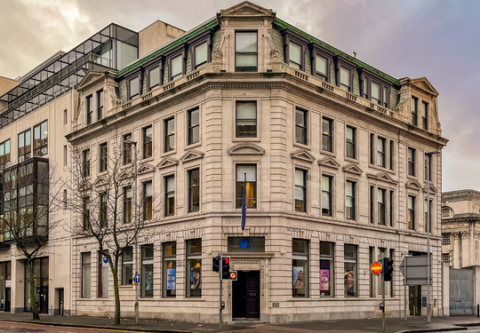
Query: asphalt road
(12, 327)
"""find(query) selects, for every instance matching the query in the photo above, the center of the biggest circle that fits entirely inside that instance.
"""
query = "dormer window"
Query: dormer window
(201, 54)
(176, 68)
(345, 79)
(375, 88)
(295, 56)
(154, 78)
(133, 87)
(321, 62)
(245, 51)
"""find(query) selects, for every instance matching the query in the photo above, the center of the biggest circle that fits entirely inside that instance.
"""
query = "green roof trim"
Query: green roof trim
(161, 51)
(285, 25)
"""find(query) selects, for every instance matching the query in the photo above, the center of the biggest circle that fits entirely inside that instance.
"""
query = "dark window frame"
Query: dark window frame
(30, 153)
(237, 136)
(190, 190)
(366, 78)
(100, 106)
(157, 64)
(352, 142)
(146, 144)
(84, 265)
(382, 153)
(303, 189)
(429, 159)
(372, 149)
(4, 163)
(414, 112)
(391, 206)
(167, 193)
(205, 37)
(329, 192)
(411, 211)
(179, 51)
(126, 201)
(345, 64)
(124, 261)
(330, 135)
(189, 255)
(103, 152)
(304, 128)
(372, 204)
(86, 162)
(103, 210)
(391, 154)
(246, 53)
(35, 149)
(425, 117)
(353, 199)
(145, 200)
(89, 108)
(127, 149)
(382, 206)
(290, 36)
(237, 181)
(137, 74)
(86, 213)
(165, 257)
(166, 135)
(316, 50)
(307, 259)
(192, 127)
(411, 163)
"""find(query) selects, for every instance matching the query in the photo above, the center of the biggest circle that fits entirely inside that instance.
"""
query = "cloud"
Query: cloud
(411, 38)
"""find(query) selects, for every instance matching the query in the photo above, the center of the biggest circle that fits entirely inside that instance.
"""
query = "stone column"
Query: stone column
(456, 249)
(466, 254)
(476, 248)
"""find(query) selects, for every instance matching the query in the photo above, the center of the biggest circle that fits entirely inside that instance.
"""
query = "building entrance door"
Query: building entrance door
(8, 296)
(44, 299)
(415, 300)
(246, 295)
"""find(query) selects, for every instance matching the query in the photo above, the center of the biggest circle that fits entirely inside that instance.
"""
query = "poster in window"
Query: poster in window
(171, 278)
(195, 278)
(298, 277)
(349, 284)
(324, 279)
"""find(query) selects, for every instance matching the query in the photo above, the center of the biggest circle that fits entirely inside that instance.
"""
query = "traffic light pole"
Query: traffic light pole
(383, 289)
(220, 302)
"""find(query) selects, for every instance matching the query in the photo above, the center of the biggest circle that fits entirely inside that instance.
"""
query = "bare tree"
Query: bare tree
(30, 196)
(111, 209)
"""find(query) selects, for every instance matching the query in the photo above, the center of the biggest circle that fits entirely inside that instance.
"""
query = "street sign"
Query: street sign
(105, 261)
(233, 275)
(415, 270)
(376, 268)
(137, 278)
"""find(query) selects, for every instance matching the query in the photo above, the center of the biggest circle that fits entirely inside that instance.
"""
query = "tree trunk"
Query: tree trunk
(33, 302)
(117, 295)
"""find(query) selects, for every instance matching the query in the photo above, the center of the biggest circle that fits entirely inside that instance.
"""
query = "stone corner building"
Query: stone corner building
(331, 151)
(460, 251)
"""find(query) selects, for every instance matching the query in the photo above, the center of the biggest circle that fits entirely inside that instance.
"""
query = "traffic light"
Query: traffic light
(226, 268)
(216, 264)
(387, 269)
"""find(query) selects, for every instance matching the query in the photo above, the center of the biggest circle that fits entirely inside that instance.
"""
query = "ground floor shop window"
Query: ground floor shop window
(127, 265)
(327, 264)
(5, 280)
(194, 268)
(147, 271)
(350, 263)
(86, 274)
(300, 268)
(40, 273)
(103, 268)
(169, 279)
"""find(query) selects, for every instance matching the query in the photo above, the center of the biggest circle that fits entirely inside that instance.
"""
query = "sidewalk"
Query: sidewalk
(393, 325)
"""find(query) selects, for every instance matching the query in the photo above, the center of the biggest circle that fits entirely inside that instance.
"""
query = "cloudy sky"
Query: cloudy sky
(438, 39)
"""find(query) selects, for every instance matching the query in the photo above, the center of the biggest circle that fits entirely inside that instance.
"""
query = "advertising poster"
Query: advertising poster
(324, 279)
(298, 277)
(171, 278)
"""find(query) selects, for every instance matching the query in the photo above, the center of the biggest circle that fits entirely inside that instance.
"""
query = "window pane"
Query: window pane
(246, 42)
(170, 184)
(376, 91)
(201, 54)
(300, 118)
(344, 76)
(295, 53)
(134, 87)
(300, 277)
(177, 66)
(154, 77)
(250, 170)
(194, 118)
(321, 65)
(244, 60)
(299, 178)
(325, 183)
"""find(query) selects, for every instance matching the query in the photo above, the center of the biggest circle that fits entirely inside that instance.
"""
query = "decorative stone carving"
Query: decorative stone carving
(476, 234)
(217, 54)
(456, 235)
(465, 234)
(274, 53)
(113, 96)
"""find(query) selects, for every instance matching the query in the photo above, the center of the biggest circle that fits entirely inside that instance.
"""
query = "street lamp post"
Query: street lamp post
(134, 194)
(429, 286)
